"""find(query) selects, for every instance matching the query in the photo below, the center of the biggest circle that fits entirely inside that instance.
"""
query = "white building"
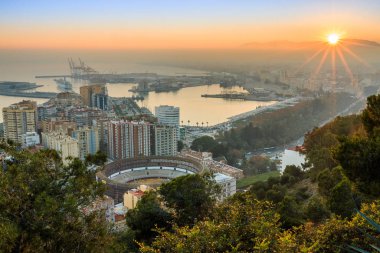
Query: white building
(63, 144)
(168, 115)
(30, 139)
(227, 183)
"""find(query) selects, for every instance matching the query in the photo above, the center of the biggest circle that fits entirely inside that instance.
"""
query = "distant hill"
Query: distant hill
(305, 45)
(359, 42)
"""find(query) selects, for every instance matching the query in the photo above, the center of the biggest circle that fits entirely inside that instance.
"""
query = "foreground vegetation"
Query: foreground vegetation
(311, 209)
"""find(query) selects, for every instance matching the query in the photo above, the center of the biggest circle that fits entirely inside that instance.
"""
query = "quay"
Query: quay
(53, 76)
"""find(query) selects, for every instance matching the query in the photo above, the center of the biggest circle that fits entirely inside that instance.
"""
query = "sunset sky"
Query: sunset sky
(154, 24)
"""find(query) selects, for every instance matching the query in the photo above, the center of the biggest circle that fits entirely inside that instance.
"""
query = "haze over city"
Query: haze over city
(189, 126)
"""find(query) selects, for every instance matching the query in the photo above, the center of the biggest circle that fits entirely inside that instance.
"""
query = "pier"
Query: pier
(54, 76)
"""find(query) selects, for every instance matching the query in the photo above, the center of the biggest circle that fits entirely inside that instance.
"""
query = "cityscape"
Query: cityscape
(202, 126)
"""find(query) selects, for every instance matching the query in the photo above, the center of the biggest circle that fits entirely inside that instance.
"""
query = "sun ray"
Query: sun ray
(321, 62)
(349, 51)
(333, 64)
(310, 59)
(345, 65)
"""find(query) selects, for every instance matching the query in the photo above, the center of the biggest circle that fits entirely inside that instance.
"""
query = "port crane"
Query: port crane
(80, 70)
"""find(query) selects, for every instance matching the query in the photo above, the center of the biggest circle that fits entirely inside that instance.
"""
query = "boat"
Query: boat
(63, 85)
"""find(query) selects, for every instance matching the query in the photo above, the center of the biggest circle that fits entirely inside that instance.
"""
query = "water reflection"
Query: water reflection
(193, 107)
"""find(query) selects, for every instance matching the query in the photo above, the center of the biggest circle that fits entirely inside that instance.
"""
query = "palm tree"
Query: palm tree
(202, 123)
(207, 123)
(188, 122)
(182, 122)
(197, 124)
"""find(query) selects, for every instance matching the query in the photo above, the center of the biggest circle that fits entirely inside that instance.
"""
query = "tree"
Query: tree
(242, 224)
(316, 210)
(360, 159)
(294, 171)
(321, 142)
(180, 146)
(99, 158)
(371, 115)
(341, 201)
(257, 164)
(334, 234)
(42, 206)
(191, 197)
(290, 212)
(147, 216)
(327, 180)
(336, 188)
(124, 242)
(204, 143)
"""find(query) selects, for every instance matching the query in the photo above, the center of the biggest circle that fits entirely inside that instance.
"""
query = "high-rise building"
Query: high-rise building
(19, 119)
(165, 140)
(129, 139)
(95, 95)
(102, 126)
(167, 115)
(100, 101)
(88, 141)
(62, 143)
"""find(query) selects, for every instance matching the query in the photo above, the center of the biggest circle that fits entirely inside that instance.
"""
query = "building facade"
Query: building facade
(102, 126)
(60, 125)
(165, 140)
(95, 95)
(62, 143)
(128, 139)
(167, 115)
(19, 119)
(88, 141)
(30, 139)
(227, 185)
(100, 101)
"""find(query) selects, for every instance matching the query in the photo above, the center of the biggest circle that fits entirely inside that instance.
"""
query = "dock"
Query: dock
(54, 76)
(242, 96)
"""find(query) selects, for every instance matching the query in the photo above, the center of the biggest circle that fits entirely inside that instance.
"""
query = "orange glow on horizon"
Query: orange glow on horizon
(221, 36)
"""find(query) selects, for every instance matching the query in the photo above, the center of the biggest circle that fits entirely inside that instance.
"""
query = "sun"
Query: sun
(333, 38)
